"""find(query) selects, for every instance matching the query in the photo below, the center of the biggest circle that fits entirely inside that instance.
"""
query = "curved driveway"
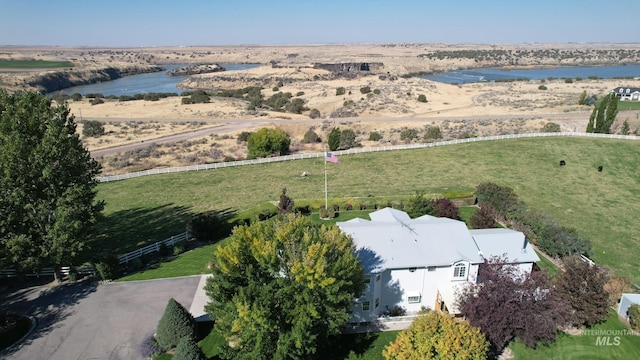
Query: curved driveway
(86, 322)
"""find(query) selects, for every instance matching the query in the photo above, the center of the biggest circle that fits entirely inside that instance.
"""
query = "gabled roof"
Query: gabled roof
(625, 90)
(392, 240)
(499, 242)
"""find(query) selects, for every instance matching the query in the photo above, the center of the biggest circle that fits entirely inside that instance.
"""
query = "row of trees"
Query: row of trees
(541, 229)
(603, 115)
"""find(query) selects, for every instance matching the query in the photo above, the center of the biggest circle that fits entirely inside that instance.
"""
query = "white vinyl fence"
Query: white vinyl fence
(65, 270)
(155, 247)
(353, 151)
(90, 270)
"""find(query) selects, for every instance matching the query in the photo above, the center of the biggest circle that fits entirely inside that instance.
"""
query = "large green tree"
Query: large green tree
(281, 288)
(266, 142)
(47, 181)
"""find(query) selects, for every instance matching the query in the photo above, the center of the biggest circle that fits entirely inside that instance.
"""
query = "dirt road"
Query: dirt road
(231, 126)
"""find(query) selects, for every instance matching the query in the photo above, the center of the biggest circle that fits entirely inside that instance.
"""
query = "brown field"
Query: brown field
(458, 110)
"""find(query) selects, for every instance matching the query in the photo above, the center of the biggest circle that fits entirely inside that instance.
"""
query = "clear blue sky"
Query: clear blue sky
(125, 23)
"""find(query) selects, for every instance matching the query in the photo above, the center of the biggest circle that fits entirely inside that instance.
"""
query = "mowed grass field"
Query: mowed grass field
(602, 206)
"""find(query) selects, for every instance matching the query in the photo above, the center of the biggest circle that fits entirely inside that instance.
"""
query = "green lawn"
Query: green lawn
(193, 262)
(602, 206)
(628, 105)
(546, 265)
(33, 64)
(584, 346)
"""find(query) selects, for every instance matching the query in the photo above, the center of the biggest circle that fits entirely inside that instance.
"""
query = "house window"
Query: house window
(377, 303)
(431, 268)
(367, 279)
(412, 269)
(413, 298)
(378, 277)
(460, 271)
(366, 305)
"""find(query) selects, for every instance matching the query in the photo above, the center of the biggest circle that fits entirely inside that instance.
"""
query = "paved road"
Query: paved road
(86, 322)
(237, 125)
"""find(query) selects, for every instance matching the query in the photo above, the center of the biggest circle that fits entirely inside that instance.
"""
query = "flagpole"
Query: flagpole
(326, 196)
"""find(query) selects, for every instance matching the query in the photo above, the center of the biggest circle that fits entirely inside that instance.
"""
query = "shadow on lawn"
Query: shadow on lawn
(346, 345)
(130, 229)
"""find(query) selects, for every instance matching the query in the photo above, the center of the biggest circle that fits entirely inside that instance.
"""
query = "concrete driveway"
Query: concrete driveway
(86, 322)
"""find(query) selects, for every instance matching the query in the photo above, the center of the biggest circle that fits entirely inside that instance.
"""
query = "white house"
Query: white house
(626, 300)
(416, 263)
(627, 93)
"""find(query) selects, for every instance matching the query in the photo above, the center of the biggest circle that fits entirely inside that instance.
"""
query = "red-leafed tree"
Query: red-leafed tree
(444, 207)
(485, 217)
(506, 303)
(582, 286)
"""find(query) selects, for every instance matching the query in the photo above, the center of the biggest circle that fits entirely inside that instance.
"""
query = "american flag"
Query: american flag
(331, 157)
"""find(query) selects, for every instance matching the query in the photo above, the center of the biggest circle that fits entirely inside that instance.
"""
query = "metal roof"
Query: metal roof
(499, 242)
(391, 240)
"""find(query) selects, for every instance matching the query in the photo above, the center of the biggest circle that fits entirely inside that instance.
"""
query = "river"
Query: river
(157, 82)
(493, 74)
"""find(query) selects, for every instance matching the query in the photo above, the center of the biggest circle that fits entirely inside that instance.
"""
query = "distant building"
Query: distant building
(627, 93)
(420, 263)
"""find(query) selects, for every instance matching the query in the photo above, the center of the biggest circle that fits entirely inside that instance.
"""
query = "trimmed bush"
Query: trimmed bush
(188, 349)
(310, 137)
(347, 139)
(205, 226)
(175, 324)
(92, 128)
(178, 249)
(433, 133)
(314, 114)
(108, 267)
(551, 127)
(244, 136)
(407, 135)
(375, 136)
